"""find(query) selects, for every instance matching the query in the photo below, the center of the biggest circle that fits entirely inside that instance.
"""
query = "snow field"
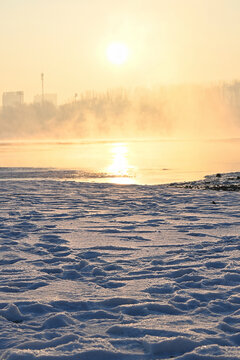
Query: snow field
(96, 271)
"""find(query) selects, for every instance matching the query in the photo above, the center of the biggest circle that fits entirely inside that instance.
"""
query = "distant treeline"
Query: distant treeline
(164, 111)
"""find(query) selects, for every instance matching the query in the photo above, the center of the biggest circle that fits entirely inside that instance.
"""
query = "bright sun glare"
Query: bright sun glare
(119, 164)
(120, 168)
(117, 53)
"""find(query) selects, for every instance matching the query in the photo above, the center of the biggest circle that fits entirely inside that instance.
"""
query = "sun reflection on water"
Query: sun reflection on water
(120, 169)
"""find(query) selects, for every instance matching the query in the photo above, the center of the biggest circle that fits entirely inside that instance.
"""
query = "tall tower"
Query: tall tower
(42, 79)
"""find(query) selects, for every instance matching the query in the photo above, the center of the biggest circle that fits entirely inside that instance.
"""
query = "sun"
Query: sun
(117, 53)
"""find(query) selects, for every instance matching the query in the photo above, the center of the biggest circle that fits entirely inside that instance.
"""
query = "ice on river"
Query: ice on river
(108, 272)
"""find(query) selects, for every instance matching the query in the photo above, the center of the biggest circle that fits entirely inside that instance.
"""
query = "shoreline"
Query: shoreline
(229, 181)
(218, 182)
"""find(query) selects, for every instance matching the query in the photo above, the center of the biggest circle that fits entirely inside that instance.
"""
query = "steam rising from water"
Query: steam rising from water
(174, 111)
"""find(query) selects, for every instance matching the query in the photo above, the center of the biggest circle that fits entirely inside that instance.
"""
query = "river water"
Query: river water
(141, 162)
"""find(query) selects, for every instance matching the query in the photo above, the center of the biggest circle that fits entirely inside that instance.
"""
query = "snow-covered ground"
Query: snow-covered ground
(98, 271)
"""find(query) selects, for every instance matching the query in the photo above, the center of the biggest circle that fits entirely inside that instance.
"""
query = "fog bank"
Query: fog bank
(168, 111)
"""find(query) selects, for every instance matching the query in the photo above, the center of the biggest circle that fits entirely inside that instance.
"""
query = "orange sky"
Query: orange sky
(170, 41)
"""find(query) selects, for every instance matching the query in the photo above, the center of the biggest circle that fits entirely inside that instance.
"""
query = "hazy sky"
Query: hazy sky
(169, 41)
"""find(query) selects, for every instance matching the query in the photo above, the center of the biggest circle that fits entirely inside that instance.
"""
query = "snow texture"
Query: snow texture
(110, 272)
